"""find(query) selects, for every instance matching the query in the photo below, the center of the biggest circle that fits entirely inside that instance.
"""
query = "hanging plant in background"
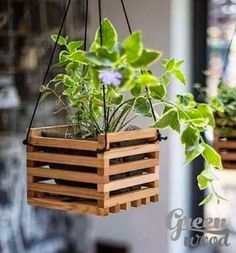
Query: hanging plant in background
(131, 91)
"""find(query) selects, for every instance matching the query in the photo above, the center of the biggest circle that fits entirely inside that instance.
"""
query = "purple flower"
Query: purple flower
(110, 77)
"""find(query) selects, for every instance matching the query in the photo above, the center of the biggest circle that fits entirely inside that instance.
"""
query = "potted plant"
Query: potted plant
(102, 90)
(225, 131)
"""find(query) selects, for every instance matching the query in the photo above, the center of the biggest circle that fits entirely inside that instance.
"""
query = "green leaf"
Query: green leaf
(170, 65)
(104, 53)
(207, 113)
(169, 119)
(212, 157)
(97, 60)
(109, 35)
(180, 76)
(165, 80)
(186, 100)
(74, 45)
(61, 41)
(203, 182)
(207, 199)
(137, 89)
(141, 106)
(146, 59)
(157, 92)
(79, 56)
(133, 47)
(63, 56)
(207, 173)
(179, 63)
(190, 136)
(216, 104)
(192, 152)
(147, 79)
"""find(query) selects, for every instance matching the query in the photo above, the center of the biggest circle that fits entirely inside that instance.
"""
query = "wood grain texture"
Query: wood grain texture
(66, 190)
(65, 206)
(67, 175)
(64, 159)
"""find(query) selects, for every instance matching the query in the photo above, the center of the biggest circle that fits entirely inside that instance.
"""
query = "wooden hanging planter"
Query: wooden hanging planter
(72, 175)
(225, 145)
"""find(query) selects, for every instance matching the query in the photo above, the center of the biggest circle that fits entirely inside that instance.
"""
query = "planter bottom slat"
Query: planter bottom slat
(74, 176)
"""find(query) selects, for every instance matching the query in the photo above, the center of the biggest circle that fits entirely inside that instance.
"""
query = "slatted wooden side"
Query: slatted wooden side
(101, 200)
(226, 147)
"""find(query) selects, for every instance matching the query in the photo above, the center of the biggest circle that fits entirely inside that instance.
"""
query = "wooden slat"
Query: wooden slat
(145, 201)
(64, 143)
(128, 197)
(64, 159)
(131, 150)
(131, 135)
(65, 206)
(115, 209)
(154, 198)
(228, 156)
(227, 165)
(136, 203)
(125, 206)
(66, 175)
(226, 144)
(131, 166)
(131, 181)
(66, 190)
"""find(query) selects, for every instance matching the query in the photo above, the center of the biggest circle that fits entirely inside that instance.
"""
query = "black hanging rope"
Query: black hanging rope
(25, 142)
(226, 57)
(86, 25)
(159, 137)
(106, 126)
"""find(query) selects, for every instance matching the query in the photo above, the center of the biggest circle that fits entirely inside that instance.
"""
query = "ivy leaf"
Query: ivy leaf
(133, 47)
(63, 56)
(206, 112)
(192, 152)
(147, 79)
(109, 35)
(179, 63)
(79, 56)
(207, 199)
(61, 41)
(186, 100)
(180, 76)
(212, 157)
(147, 58)
(190, 136)
(207, 173)
(203, 182)
(169, 119)
(216, 104)
(97, 60)
(141, 106)
(157, 92)
(104, 53)
(165, 80)
(137, 89)
(170, 65)
(74, 45)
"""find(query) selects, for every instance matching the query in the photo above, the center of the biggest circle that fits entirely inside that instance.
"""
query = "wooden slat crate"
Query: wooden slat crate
(72, 175)
(226, 147)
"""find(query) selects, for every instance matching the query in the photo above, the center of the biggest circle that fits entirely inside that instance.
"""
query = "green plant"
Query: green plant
(123, 70)
(225, 105)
